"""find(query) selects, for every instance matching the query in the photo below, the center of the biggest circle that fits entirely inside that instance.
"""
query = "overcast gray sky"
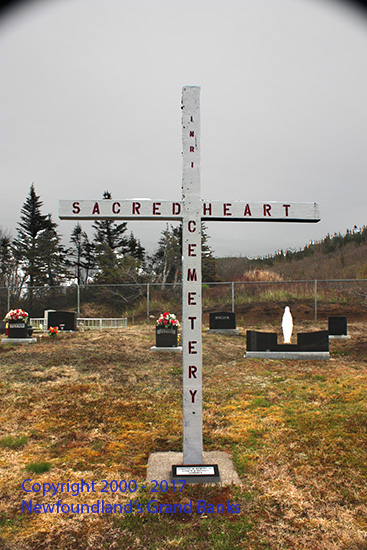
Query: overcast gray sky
(90, 94)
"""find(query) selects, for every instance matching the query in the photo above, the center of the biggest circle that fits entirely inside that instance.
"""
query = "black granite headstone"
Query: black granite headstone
(64, 320)
(17, 329)
(222, 320)
(313, 341)
(261, 341)
(337, 326)
(166, 337)
(306, 341)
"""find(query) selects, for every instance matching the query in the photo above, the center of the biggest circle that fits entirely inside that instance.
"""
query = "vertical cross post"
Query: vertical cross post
(191, 278)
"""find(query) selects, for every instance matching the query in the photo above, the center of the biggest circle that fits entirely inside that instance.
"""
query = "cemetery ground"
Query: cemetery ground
(93, 405)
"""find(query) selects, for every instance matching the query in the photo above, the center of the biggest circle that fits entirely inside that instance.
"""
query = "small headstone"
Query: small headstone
(59, 318)
(223, 322)
(166, 337)
(166, 333)
(337, 327)
(17, 329)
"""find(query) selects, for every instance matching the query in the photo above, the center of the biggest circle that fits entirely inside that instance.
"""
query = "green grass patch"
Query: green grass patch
(176, 370)
(38, 467)
(260, 402)
(11, 442)
(182, 531)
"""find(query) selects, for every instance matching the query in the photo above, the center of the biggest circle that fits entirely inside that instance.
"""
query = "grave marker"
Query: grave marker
(64, 320)
(191, 210)
(223, 322)
(337, 327)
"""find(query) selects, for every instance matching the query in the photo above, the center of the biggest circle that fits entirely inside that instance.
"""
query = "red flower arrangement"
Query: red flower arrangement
(52, 331)
(167, 319)
(16, 315)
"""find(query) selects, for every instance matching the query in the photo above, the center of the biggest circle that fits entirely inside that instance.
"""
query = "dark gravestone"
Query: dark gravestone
(337, 326)
(261, 341)
(268, 341)
(222, 320)
(166, 337)
(313, 341)
(17, 329)
(64, 320)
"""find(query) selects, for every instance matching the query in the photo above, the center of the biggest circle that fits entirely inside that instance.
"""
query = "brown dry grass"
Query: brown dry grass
(258, 274)
(96, 404)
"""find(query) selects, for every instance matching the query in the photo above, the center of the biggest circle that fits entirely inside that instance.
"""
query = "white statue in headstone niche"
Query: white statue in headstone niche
(287, 325)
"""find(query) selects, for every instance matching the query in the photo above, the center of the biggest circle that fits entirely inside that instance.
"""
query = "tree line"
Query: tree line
(327, 245)
(37, 257)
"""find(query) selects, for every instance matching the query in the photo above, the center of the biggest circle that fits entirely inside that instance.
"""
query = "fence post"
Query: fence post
(8, 299)
(315, 300)
(78, 301)
(148, 303)
(232, 296)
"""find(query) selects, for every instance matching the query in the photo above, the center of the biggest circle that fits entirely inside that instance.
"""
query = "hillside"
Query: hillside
(334, 257)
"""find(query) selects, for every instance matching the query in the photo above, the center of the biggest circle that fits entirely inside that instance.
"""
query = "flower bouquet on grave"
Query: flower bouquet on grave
(52, 332)
(167, 320)
(166, 331)
(16, 315)
(16, 323)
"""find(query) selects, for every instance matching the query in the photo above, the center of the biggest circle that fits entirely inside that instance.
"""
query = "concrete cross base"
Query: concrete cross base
(339, 336)
(160, 466)
(294, 355)
(18, 340)
(154, 348)
(228, 331)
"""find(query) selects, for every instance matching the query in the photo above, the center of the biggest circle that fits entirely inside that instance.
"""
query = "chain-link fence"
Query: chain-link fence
(144, 301)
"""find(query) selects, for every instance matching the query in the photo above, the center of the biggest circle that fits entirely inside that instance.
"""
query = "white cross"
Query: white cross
(191, 210)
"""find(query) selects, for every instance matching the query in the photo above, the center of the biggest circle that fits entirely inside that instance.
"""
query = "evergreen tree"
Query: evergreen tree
(9, 273)
(114, 250)
(134, 248)
(52, 263)
(82, 255)
(6, 259)
(26, 246)
(37, 248)
(109, 232)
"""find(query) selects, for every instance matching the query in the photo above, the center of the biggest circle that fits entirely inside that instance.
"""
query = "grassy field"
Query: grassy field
(92, 406)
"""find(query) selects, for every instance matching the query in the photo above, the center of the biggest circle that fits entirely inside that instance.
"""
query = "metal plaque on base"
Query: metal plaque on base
(196, 473)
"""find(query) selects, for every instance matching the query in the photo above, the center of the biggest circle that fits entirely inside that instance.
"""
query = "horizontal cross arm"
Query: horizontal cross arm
(131, 209)
(147, 209)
